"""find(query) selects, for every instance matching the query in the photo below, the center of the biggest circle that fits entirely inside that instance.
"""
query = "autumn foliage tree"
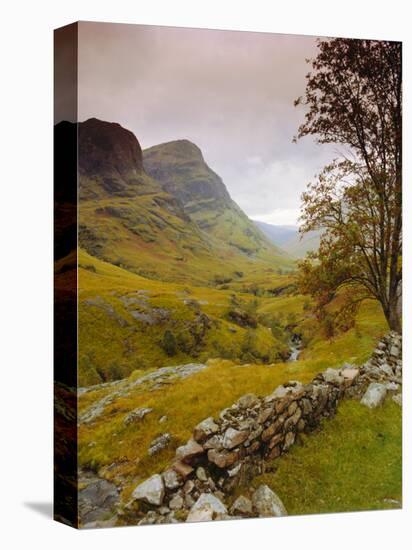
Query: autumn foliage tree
(353, 99)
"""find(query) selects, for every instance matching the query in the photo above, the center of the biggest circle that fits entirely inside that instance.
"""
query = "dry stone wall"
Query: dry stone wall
(230, 450)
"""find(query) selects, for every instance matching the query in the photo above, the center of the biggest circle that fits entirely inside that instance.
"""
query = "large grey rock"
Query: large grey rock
(233, 438)
(207, 508)
(205, 429)
(151, 491)
(97, 500)
(267, 503)
(374, 395)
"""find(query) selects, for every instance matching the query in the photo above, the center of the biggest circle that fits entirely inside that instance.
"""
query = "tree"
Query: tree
(353, 98)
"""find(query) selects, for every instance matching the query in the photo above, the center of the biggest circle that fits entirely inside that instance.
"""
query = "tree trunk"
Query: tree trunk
(393, 314)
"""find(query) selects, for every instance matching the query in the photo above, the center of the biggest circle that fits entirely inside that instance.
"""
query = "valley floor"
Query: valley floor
(126, 369)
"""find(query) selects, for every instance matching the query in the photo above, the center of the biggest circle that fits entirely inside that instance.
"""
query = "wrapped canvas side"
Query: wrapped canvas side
(65, 275)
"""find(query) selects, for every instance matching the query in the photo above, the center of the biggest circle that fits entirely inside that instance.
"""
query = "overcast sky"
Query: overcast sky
(229, 92)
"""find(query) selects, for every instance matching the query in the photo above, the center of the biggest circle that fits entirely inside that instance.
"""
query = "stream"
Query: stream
(295, 345)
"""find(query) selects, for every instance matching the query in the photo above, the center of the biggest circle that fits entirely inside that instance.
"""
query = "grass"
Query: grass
(186, 402)
(112, 343)
(329, 473)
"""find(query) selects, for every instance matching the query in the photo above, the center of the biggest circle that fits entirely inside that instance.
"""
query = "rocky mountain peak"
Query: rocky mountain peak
(107, 146)
(181, 169)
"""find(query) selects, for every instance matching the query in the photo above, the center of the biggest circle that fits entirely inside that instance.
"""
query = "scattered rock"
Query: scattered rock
(207, 508)
(397, 398)
(242, 506)
(159, 443)
(151, 491)
(136, 415)
(267, 503)
(374, 395)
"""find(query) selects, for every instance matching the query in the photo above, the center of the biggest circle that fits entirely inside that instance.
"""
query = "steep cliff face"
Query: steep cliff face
(181, 169)
(110, 161)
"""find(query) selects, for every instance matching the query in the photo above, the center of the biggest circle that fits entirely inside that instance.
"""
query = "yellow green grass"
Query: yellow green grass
(353, 463)
(112, 343)
(185, 402)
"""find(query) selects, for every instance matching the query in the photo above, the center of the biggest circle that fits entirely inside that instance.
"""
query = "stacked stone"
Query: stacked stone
(383, 371)
(386, 360)
(230, 450)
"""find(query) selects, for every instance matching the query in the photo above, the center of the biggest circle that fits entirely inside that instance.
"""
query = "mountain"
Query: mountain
(288, 238)
(179, 226)
(278, 234)
(183, 172)
(299, 246)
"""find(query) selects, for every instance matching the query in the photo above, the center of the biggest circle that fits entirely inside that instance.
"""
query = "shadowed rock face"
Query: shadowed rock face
(110, 161)
(106, 146)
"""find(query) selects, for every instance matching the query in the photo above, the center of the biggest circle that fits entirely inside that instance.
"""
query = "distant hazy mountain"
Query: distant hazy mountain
(288, 238)
(298, 246)
(278, 234)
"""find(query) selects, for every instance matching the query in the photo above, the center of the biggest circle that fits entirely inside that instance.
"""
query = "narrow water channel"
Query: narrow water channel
(295, 345)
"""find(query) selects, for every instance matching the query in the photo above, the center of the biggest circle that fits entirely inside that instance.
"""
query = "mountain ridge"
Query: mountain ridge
(194, 234)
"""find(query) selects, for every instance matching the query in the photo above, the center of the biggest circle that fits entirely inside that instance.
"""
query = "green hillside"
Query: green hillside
(124, 319)
(130, 219)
